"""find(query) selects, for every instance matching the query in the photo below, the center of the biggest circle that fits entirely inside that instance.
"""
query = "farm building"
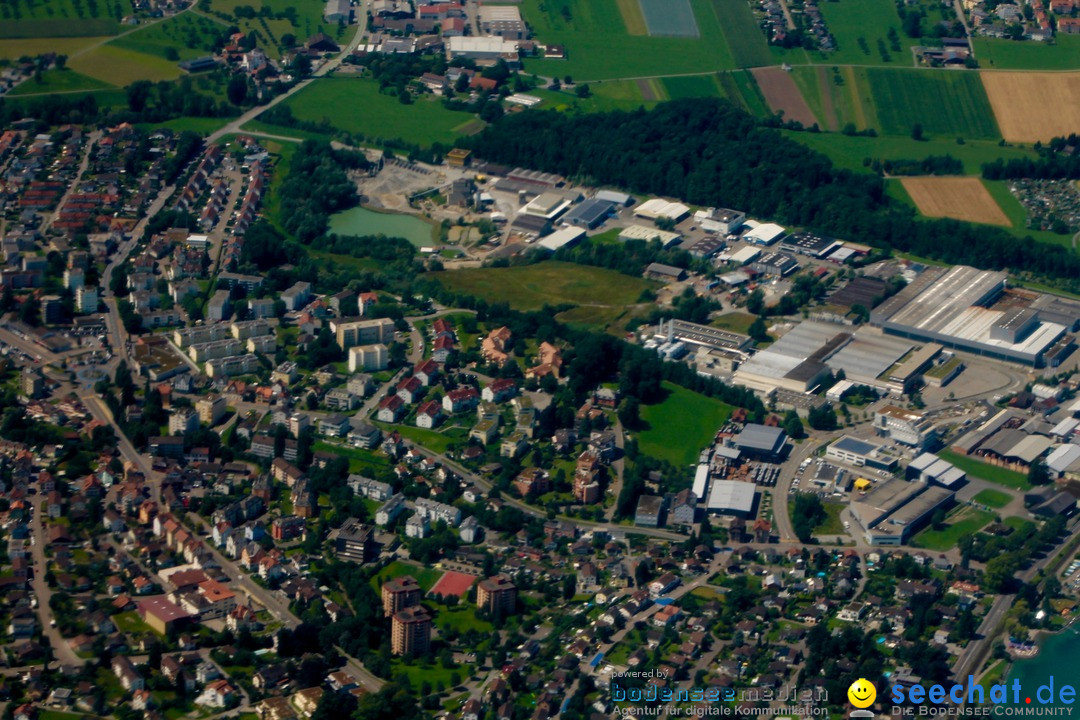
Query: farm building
(338, 11)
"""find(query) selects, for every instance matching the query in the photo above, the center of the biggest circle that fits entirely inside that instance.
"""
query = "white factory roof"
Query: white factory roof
(643, 232)
(480, 44)
(701, 479)
(764, 234)
(1063, 457)
(561, 237)
(731, 495)
(869, 355)
(658, 208)
(619, 198)
(974, 323)
(1065, 427)
(523, 99)
(745, 255)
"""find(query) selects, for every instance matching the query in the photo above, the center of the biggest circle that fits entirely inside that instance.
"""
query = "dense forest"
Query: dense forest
(708, 152)
(1058, 160)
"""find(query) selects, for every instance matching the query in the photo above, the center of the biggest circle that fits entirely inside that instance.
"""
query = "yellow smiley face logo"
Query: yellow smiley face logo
(862, 693)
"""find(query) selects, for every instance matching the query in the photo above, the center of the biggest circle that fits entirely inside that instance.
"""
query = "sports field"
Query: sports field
(960, 198)
(602, 295)
(120, 66)
(1034, 106)
(944, 102)
(783, 95)
(600, 44)
(680, 426)
(453, 583)
(58, 18)
(356, 105)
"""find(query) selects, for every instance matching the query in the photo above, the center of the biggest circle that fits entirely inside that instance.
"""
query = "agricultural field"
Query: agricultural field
(602, 295)
(850, 151)
(746, 40)
(960, 198)
(119, 66)
(600, 44)
(1021, 103)
(862, 32)
(300, 19)
(740, 88)
(13, 49)
(182, 37)
(1001, 54)
(60, 18)
(945, 102)
(669, 18)
(53, 81)
(356, 106)
(677, 428)
(783, 95)
(606, 95)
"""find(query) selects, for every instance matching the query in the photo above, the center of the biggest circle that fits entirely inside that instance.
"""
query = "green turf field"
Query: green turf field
(746, 40)
(602, 295)
(945, 102)
(606, 95)
(121, 67)
(60, 18)
(187, 36)
(986, 471)
(993, 498)
(691, 86)
(357, 106)
(861, 29)
(850, 151)
(1001, 54)
(599, 46)
(680, 426)
(961, 522)
(53, 81)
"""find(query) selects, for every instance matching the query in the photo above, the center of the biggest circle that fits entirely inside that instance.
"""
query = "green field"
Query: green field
(1001, 54)
(691, 86)
(188, 36)
(120, 66)
(832, 525)
(946, 103)
(201, 125)
(438, 441)
(602, 295)
(739, 322)
(960, 522)
(60, 18)
(53, 81)
(680, 426)
(599, 47)
(308, 21)
(357, 106)
(364, 462)
(606, 95)
(979, 469)
(993, 498)
(745, 39)
(869, 21)
(13, 49)
(850, 151)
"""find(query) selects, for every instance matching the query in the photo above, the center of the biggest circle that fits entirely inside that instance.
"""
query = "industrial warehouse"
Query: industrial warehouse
(973, 310)
(894, 509)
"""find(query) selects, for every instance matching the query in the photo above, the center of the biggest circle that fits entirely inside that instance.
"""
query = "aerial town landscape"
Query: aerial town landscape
(572, 359)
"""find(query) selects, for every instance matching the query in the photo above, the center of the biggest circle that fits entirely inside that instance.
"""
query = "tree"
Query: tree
(917, 132)
(807, 513)
(823, 418)
(237, 89)
(793, 425)
(583, 91)
(758, 330)
(755, 301)
(1038, 474)
(630, 412)
(60, 61)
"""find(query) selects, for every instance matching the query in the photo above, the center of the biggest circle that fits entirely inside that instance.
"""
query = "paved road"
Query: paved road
(73, 186)
(328, 67)
(61, 650)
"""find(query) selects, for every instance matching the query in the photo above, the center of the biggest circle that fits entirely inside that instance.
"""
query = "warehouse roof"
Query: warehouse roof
(591, 211)
(764, 438)
(731, 495)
